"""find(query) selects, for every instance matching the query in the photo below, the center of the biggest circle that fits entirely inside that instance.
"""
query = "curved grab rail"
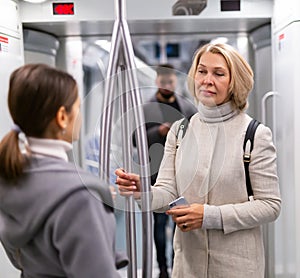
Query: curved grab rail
(268, 230)
(263, 104)
(127, 151)
(143, 156)
(105, 134)
(122, 54)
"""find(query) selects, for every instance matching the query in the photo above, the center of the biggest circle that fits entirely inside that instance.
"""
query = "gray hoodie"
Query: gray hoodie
(58, 221)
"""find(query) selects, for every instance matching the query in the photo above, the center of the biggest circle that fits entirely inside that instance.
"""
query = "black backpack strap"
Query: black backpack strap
(181, 131)
(248, 147)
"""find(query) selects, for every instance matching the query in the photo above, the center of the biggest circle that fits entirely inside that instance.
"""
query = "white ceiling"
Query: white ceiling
(150, 27)
(96, 18)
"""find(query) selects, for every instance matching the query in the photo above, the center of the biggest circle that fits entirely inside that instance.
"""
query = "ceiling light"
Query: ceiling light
(35, 1)
(219, 40)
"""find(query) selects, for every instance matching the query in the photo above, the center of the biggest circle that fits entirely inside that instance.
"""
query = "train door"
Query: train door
(11, 57)
(286, 40)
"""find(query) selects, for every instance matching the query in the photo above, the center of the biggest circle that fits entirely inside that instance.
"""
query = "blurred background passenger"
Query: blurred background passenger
(56, 220)
(162, 110)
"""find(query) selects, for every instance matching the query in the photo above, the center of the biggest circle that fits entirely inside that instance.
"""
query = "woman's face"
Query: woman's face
(212, 80)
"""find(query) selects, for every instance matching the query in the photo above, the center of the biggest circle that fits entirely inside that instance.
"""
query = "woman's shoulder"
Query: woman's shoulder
(262, 132)
(66, 177)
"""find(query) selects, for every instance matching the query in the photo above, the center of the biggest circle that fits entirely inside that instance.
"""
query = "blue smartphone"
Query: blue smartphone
(179, 201)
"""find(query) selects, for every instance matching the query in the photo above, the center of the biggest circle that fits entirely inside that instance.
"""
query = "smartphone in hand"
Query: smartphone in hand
(179, 201)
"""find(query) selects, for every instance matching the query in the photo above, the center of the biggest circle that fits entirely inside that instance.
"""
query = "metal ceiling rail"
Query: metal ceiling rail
(121, 60)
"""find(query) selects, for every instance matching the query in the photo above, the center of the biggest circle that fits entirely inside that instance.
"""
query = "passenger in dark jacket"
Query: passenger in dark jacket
(162, 110)
(56, 220)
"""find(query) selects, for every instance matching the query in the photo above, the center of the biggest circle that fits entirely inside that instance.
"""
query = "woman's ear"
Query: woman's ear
(62, 118)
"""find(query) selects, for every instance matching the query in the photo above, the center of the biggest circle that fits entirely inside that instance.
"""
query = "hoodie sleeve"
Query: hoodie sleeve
(83, 234)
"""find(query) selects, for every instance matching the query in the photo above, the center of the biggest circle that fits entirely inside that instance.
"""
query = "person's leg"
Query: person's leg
(160, 222)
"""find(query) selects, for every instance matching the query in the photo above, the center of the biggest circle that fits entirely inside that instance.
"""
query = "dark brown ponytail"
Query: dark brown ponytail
(12, 161)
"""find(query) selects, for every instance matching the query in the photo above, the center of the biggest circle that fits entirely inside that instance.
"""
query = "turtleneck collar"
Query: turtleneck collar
(216, 114)
(49, 147)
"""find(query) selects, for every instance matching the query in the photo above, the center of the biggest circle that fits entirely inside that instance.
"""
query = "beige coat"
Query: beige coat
(208, 168)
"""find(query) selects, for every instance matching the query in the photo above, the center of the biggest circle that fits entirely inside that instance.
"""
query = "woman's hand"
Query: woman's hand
(187, 218)
(128, 183)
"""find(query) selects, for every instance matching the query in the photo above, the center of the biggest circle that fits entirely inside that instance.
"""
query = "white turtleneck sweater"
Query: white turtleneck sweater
(212, 218)
(49, 147)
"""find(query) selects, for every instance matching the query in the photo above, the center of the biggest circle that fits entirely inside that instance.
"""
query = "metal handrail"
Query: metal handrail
(127, 153)
(268, 229)
(263, 105)
(105, 134)
(122, 54)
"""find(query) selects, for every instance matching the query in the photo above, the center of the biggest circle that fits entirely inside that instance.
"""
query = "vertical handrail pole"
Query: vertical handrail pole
(141, 146)
(121, 28)
(268, 229)
(127, 154)
(105, 132)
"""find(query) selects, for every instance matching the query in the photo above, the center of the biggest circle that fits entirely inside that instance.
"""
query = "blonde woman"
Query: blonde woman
(219, 233)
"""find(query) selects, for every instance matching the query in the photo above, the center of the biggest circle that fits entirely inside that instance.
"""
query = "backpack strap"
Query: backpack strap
(181, 131)
(248, 147)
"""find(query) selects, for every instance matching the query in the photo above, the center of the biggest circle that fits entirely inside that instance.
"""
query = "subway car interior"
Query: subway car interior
(99, 42)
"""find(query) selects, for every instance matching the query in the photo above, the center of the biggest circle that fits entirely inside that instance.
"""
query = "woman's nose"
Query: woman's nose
(208, 79)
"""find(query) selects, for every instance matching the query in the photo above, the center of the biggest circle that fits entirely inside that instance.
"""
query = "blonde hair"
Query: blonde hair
(241, 74)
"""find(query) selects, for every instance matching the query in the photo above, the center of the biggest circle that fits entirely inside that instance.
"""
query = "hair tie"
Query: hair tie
(23, 143)
(16, 128)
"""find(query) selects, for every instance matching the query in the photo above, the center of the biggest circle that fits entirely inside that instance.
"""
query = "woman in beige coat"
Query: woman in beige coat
(219, 233)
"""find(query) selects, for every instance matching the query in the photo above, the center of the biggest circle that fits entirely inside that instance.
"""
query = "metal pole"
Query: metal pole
(263, 105)
(127, 154)
(121, 32)
(105, 132)
(142, 153)
(268, 229)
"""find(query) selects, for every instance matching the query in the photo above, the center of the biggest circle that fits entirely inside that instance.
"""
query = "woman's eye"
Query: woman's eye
(219, 74)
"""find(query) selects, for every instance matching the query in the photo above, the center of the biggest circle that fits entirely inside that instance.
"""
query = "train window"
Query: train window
(172, 50)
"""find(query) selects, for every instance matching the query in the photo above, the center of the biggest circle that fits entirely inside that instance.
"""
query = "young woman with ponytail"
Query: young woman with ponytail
(51, 213)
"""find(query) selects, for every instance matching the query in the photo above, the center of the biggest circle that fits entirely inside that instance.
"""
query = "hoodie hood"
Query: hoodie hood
(27, 204)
